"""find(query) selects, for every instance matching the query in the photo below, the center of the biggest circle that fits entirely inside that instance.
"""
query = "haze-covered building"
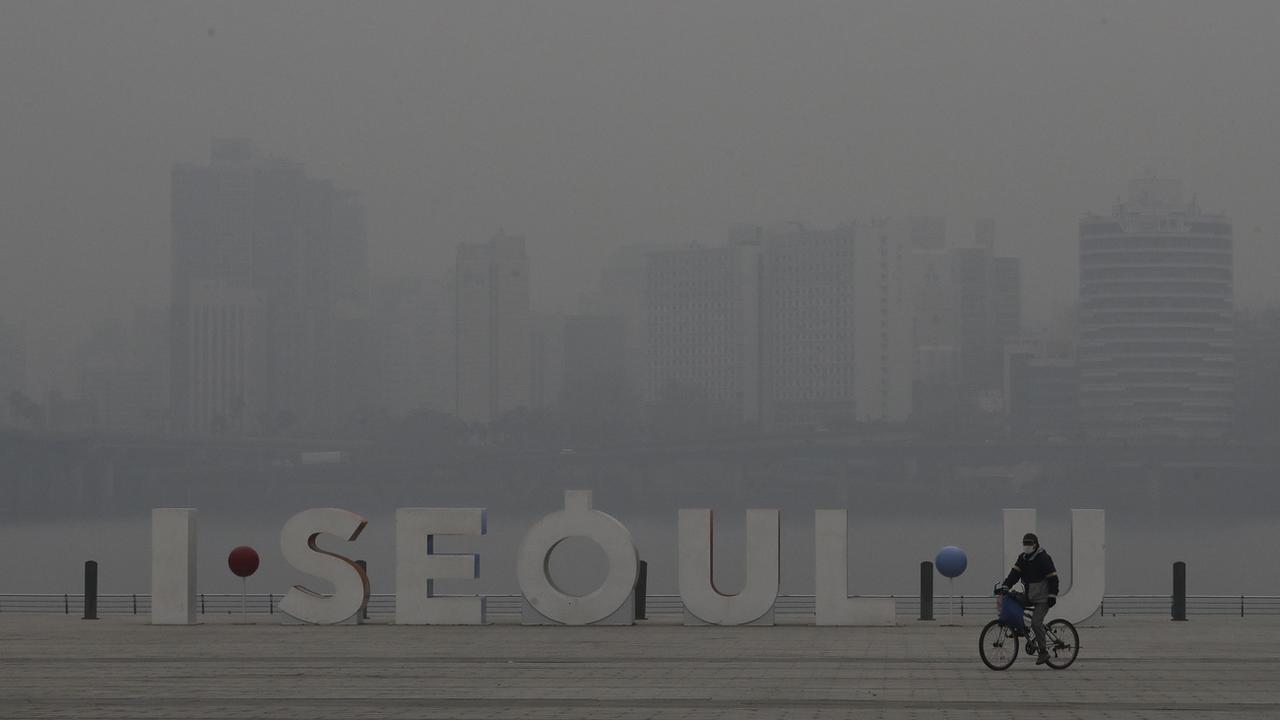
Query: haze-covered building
(704, 327)
(493, 329)
(412, 324)
(1156, 346)
(836, 330)
(255, 235)
(622, 294)
(786, 326)
(988, 313)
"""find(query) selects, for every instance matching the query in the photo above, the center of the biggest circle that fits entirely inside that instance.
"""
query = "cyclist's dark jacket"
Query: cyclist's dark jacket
(1037, 572)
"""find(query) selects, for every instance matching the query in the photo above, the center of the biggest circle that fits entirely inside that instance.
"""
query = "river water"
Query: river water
(1225, 556)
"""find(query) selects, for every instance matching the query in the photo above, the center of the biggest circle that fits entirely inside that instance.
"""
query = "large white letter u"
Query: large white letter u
(1088, 558)
(702, 600)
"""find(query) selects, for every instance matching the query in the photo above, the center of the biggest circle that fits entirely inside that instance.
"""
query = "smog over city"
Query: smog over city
(922, 261)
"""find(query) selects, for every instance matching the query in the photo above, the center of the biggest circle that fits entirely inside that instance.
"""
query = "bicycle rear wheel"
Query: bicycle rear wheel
(1063, 642)
(998, 646)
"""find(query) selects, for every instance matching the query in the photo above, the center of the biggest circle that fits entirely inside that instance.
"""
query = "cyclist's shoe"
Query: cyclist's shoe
(1044, 658)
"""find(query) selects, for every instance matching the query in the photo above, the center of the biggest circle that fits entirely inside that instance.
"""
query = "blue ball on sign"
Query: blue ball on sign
(951, 561)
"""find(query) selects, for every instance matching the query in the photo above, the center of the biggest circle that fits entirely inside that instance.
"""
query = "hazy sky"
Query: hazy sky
(584, 125)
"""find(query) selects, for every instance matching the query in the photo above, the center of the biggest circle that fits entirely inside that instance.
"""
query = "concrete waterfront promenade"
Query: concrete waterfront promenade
(56, 667)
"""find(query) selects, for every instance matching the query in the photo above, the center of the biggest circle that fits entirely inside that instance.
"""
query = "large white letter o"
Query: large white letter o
(578, 519)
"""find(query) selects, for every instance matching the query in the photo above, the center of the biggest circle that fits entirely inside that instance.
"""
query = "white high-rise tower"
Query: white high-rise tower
(1156, 350)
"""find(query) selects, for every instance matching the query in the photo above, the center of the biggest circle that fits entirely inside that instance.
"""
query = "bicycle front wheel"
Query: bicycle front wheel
(1063, 642)
(998, 646)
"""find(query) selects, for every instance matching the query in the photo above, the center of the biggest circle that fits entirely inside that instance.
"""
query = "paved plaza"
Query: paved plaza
(60, 667)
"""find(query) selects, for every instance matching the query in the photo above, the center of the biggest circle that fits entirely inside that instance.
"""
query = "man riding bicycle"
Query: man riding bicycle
(1036, 571)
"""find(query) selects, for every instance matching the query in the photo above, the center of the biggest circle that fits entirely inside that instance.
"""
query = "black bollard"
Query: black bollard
(364, 609)
(926, 590)
(1180, 591)
(91, 590)
(642, 586)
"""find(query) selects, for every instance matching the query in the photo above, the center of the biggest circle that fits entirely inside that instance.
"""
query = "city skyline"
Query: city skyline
(924, 233)
(469, 342)
(889, 110)
(928, 234)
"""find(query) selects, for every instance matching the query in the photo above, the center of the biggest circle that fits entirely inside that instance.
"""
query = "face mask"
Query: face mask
(1028, 549)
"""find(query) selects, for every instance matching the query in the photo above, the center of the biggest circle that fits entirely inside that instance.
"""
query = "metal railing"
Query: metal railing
(381, 604)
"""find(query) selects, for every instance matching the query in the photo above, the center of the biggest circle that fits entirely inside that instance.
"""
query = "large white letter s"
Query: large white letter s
(350, 584)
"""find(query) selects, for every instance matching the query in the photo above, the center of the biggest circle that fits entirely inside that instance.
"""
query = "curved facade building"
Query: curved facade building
(1156, 357)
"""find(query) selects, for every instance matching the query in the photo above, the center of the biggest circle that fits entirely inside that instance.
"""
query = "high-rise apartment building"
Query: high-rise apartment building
(252, 232)
(622, 294)
(967, 307)
(493, 329)
(704, 326)
(935, 331)
(227, 346)
(836, 335)
(1156, 350)
(786, 326)
(412, 324)
(988, 301)
(980, 353)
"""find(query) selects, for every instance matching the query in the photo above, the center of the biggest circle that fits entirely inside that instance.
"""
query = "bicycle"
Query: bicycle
(998, 642)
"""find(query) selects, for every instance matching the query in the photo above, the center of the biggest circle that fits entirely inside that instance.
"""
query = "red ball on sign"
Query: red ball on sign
(243, 561)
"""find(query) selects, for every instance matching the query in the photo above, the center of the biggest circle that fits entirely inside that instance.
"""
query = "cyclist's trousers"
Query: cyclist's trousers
(1038, 614)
